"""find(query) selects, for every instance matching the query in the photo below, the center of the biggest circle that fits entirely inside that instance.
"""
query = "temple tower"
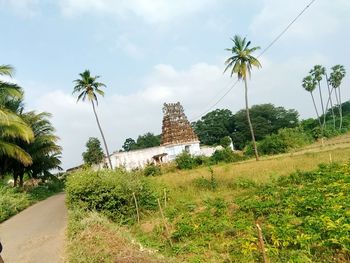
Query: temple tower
(177, 133)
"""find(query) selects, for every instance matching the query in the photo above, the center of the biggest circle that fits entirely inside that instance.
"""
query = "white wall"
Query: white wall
(139, 158)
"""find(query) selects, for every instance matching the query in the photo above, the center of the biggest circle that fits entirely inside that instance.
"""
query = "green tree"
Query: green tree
(147, 140)
(241, 63)
(129, 145)
(309, 84)
(266, 118)
(335, 79)
(44, 149)
(87, 87)
(94, 153)
(213, 126)
(12, 127)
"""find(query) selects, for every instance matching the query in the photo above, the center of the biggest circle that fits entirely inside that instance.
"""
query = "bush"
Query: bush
(111, 193)
(285, 140)
(185, 161)
(226, 141)
(225, 155)
(152, 170)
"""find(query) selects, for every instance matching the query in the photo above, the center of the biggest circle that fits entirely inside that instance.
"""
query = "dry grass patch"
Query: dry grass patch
(94, 239)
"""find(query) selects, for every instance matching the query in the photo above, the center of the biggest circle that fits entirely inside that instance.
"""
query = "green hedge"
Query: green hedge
(111, 193)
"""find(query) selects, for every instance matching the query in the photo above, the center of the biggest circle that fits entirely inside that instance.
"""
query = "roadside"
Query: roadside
(36, 235)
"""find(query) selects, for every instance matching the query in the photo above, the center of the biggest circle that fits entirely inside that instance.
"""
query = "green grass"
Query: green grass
(211, 212)
(14, 200)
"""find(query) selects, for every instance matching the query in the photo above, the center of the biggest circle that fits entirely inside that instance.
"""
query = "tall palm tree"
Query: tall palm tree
(241, 63)
(317, 73)
(335, 79)
(309, 84)
(12, 127)
(330, 101)
(87, 87)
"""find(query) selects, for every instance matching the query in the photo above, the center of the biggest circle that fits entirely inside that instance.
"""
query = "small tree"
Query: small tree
(94, 153)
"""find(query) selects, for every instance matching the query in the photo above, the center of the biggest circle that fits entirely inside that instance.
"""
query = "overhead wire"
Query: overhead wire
(263, 52)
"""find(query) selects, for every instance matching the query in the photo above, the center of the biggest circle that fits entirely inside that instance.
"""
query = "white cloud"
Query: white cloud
(22, 7)
(320, 19)
(129, 48)
(197, 88)
(152, 11)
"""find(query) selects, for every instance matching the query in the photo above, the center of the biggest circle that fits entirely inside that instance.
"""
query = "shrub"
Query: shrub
(226, 141)
(225, 155)
(272, 144)
(152, 170)
(185, 161)
(111, 193)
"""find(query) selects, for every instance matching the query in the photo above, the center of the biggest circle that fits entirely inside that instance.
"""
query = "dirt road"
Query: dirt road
(36, 235)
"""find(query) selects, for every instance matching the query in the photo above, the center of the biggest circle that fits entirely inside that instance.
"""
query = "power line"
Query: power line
(263, 52)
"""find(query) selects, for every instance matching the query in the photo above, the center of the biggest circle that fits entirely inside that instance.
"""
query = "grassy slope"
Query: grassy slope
(189, 195)
(197, 216)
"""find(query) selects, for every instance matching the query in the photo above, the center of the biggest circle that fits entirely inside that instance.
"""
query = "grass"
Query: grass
(93, 238)
(211, 212)
(14, 200)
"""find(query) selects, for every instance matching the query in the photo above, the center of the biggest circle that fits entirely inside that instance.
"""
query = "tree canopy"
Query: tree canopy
(94, 153)
(146, 140)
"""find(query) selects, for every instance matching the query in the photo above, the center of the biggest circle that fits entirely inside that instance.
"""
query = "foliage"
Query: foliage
(304, 218)
(14, 200)
(185, 161)
(226, 141)
(266, 118)
(305, 213)
(146, 140)
(286, 139)
(225, 155)
(28, 144)
(88, 87)
(111, 193)
(152, 170)
(213, 126)
(94, 153)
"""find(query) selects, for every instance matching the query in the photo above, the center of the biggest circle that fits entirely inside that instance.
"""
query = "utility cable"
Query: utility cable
(263, 52)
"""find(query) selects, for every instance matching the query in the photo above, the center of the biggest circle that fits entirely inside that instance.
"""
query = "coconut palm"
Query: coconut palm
(241, 63)
(87, 87)
(309, 84)
(317, 73)
(12, 127)
(335, 79)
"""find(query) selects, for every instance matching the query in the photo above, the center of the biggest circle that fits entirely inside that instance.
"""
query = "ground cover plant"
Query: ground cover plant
(304, 217)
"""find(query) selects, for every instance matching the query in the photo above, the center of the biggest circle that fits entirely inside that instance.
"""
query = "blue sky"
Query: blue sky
(151, 52)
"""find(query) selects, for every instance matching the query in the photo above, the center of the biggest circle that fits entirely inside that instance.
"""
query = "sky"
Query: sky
(148, 52)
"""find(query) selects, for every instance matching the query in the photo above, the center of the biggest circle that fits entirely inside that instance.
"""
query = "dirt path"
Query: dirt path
(36, 235)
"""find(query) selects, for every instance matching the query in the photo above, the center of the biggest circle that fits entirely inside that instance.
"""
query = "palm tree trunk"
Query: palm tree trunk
(318, 116)
(321, 99)
(103, 137)
(340, 110)
(330, 101)
(249, 121)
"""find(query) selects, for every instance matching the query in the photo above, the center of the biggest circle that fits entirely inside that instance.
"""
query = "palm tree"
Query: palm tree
(330, 101)
(309, 84)
(317, 72)
(241, 63)
(87, 87)
(335, 79)
(12, 127)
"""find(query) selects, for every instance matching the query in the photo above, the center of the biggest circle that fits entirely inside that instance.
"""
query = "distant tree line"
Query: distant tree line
(146, 140)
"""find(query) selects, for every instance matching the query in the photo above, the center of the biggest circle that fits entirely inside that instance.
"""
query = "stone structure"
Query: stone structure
(177, 136)
(176, 128)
